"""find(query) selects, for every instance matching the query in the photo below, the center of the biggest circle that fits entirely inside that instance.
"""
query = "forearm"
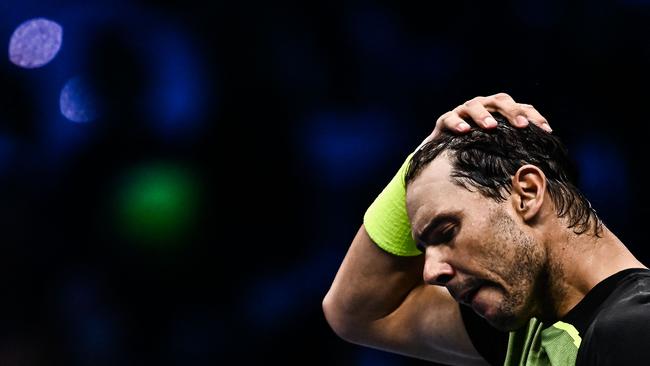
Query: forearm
(370, 285)
(379, 298)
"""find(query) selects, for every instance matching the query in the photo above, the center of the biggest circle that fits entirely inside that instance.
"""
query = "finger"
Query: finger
(451, 121)
(457, 124)
(475, 109)
(508, 108)
(535, 117)
(519, 114)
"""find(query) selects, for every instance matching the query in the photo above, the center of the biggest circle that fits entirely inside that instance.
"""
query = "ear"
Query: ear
(528, 192)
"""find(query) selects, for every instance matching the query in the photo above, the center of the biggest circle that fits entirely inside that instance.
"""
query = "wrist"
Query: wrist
(386, 220)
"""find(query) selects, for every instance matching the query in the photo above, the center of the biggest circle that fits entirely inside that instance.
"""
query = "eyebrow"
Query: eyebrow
(437, 221)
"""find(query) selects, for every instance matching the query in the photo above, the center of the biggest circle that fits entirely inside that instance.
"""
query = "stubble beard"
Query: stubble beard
(522, 271)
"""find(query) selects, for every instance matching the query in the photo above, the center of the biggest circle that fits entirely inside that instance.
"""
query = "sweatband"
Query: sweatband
(386, 220)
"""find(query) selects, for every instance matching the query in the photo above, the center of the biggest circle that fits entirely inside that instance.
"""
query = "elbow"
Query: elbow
(342, 323)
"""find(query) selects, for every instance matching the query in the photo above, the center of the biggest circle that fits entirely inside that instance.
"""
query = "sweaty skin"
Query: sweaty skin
(380, 300)
(477, 247)
(510, 260)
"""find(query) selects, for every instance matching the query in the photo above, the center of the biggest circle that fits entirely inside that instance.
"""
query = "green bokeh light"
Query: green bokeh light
(157, 205)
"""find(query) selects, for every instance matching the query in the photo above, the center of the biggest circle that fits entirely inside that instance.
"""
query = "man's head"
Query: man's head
(481, 206)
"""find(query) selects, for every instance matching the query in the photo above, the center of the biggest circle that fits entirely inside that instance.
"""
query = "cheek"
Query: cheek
(492, 257)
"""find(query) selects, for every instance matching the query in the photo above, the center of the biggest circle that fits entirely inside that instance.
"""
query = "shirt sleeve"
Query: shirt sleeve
(490, 343)
(621, 336)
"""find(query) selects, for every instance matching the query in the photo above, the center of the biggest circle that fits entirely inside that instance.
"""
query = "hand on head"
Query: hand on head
(479, 110)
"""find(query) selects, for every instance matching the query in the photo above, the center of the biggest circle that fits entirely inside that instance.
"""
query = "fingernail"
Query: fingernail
(547, 127)
(522, 121)
(490, 122)
(463, 126)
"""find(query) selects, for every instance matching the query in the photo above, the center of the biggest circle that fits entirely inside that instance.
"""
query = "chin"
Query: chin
(506, 320)
(507, 312)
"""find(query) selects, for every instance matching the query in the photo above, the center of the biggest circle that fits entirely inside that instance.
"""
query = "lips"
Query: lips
(467, 296)
(464, 290)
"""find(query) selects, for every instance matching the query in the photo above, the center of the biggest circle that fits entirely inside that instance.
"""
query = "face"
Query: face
(476, 247)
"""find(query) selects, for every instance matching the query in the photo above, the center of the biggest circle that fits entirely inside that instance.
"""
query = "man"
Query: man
(505, 233)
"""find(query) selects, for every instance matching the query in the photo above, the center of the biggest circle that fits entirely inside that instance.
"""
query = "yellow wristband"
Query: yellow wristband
(386, 220)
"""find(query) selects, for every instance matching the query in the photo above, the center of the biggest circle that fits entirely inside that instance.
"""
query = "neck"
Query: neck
(577, 263)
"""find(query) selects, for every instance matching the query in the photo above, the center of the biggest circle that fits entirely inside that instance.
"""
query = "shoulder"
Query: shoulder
(623, 322)
(627, 312)
(621, 329)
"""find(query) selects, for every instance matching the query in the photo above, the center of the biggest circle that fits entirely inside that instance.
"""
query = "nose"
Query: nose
(436, 270)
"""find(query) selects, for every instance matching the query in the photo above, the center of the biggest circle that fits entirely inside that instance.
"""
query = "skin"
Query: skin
(478, 109)
(477, 244)
(391, 303)
(523, 259)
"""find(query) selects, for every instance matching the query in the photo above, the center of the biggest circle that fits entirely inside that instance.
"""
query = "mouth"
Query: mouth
(467, 296)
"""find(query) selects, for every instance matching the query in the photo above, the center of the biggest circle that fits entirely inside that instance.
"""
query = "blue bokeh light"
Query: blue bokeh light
(8, 147)
(344, 147)
(390, 58)
(274, 299)
(35, 43)
(177, 95)
(78, 102)
(373, 357)
(603, 176)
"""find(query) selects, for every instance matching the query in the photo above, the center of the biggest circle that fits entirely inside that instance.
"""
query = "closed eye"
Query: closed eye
(445, 235)
(440, 236)
(440, 229)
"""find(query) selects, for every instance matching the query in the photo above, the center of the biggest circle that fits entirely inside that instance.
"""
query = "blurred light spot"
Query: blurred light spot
(8, 147)
(603, 176)
(273, 300)
(393, 62)
(373, 357)
(177, 98)
(603, 171)
(78, 102)
(157, 204)
(35, 43)
(343, 148)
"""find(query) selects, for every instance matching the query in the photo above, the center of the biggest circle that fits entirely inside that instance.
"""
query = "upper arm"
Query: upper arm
(380, 300)
(619, 336)
(427, 325)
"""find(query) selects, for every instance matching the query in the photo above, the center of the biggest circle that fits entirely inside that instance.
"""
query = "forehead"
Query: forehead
(433, 193)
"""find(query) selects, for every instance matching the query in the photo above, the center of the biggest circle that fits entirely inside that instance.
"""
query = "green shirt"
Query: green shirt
(610, 326)
(540, 344)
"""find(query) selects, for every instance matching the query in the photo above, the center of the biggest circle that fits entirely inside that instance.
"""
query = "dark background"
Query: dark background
(269, 127)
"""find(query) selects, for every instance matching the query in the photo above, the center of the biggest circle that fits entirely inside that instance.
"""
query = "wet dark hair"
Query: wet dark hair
(486, 160)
